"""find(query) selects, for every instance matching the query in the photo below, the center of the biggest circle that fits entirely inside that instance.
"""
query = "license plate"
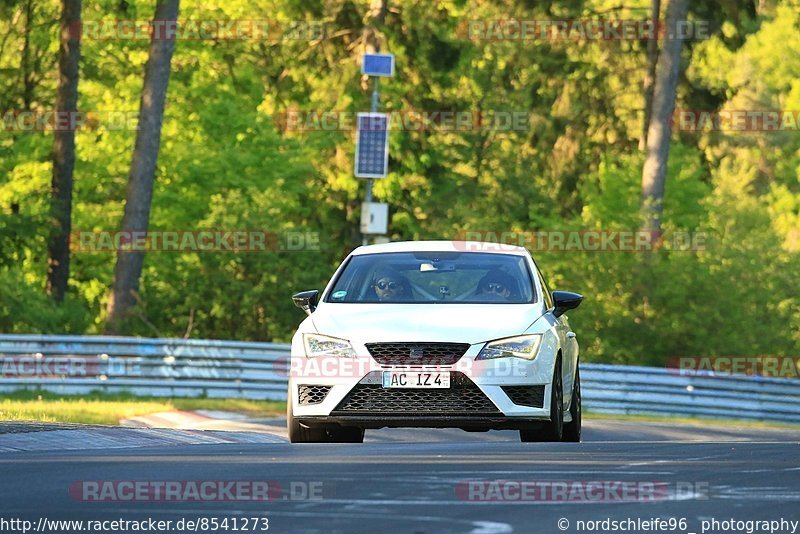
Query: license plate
(416, 379)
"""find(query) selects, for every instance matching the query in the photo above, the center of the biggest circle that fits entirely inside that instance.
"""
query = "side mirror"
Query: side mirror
(564, 301)
(306, 300)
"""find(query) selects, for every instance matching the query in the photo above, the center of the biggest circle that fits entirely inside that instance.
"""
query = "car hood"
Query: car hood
(455, 323)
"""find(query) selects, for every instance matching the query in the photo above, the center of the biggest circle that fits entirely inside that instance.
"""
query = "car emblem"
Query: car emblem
(416, 352)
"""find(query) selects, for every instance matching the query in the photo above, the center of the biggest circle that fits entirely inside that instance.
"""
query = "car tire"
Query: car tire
(552, 430)
(299, 433)
(572, 430)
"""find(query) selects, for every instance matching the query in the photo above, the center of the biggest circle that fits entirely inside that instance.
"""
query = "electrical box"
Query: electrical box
(374, 217)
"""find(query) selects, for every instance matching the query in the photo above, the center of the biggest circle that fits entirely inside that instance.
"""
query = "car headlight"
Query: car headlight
(319, 345)
(525, 347)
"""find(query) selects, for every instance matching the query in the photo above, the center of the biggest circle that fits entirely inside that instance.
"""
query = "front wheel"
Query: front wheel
(553, 430)
(297, 432)
(572, 430)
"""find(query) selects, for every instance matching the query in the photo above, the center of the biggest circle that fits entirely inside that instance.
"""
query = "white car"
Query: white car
(435, 334)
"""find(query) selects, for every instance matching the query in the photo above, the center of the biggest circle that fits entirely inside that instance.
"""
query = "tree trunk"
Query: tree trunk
(654, 173)
(650, 77)
(64, 153)
(375, 19)
(128, 268)
(25, 60)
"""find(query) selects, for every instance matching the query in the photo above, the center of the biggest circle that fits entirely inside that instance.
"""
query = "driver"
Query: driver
(389, 285)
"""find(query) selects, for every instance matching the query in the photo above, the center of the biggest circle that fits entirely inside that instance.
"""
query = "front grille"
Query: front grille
(308, 395)
(463, 398)
(417, 353)
(532, 396)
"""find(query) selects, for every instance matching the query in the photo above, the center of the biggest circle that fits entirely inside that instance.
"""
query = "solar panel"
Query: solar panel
(372, 145)
(378, 65)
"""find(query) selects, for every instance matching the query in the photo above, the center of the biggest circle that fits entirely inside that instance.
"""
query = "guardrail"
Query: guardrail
(617, 389)
(144, 366)
(195, 368)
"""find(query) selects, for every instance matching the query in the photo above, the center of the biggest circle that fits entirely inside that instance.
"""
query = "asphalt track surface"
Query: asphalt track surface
(413, 480)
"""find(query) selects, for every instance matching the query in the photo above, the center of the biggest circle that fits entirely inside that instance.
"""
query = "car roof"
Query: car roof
(441, 246)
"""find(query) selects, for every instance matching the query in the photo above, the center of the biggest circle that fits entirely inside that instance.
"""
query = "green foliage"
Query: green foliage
(25, 309)
(227, 163)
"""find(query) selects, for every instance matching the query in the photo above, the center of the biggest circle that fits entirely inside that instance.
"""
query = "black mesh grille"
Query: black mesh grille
(532, 396)
(417, 353)
(312, 394)
(462, 398)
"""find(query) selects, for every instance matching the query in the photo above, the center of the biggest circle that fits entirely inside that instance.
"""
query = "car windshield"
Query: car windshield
(434, 277)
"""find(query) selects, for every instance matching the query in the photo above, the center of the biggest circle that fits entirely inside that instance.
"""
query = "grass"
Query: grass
(587, 414)
(108, 409)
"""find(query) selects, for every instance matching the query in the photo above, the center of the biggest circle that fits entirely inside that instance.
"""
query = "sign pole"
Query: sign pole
(374, 108)
(372, 147)
(376, 80)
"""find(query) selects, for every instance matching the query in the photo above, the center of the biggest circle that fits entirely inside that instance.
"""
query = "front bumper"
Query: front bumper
(428, 421)
(482, 394)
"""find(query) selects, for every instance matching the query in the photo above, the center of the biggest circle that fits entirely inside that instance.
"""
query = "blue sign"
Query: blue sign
(372, 145)
(377, 65)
